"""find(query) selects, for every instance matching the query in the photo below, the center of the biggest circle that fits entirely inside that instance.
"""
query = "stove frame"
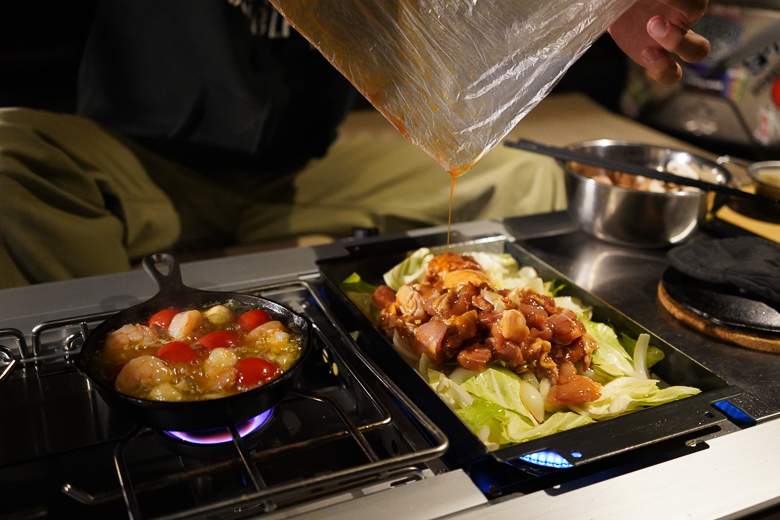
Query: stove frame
(413, 462)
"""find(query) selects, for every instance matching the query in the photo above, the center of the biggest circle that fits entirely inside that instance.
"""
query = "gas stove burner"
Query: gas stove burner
(221, 435)
(218, 442)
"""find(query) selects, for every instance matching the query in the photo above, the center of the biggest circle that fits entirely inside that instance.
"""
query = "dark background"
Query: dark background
(41, 42)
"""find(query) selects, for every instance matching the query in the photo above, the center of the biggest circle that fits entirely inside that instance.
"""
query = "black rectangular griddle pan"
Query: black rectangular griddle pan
(687, 418)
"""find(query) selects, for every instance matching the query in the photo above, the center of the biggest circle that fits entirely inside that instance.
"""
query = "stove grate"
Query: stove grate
(386, 438)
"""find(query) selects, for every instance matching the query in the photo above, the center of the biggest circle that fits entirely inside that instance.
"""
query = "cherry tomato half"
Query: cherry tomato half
(253, 372)
(162, 319)
(177, 352)
(250, 320)
(219, 339)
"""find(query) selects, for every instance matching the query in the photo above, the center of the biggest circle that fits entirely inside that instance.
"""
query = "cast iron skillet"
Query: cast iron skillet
(192, 415)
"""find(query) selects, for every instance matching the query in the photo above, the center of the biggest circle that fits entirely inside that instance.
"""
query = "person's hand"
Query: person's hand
(651, 31)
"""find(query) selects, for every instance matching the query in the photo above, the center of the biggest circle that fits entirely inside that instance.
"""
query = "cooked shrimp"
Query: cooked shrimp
(186, 324)
(142, 373)
(165, 392)
(274, 337)
(220, 368)
(264, 331)
(220, 315)
(130, 336)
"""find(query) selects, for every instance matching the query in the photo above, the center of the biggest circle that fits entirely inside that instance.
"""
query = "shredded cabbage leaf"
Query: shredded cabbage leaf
(611, 359)
(499, 386)
(628, 394)
(411, 269)
(361, 293)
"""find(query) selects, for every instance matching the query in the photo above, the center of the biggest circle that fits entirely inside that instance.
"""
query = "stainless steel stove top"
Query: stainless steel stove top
(58, 441)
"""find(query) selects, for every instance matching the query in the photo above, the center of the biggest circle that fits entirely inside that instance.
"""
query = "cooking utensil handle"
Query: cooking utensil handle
(634, 169)
(168, 282)
(739, 176)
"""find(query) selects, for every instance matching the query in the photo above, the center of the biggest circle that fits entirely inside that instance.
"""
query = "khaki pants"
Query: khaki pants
(76, 200)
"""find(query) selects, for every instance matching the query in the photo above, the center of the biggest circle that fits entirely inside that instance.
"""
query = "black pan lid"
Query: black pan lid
(722, 304)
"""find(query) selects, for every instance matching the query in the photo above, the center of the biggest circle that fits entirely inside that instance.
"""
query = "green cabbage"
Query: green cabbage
(499, 386)
(361, 294)
(409, 270)
(611, 359)
(628, 394)
(479, 413)
(557, 422)
(498, 266)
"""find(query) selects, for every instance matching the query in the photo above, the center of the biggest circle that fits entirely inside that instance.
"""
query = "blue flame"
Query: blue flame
(221, 435)
(737, 416)
(548, 459)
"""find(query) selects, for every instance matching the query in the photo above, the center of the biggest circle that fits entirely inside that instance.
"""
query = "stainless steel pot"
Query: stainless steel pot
(634, 217)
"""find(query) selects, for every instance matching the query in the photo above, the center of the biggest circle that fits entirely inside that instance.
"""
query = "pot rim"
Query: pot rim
(604, 143)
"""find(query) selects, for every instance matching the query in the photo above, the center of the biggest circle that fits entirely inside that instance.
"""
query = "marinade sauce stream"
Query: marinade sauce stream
(449, 216)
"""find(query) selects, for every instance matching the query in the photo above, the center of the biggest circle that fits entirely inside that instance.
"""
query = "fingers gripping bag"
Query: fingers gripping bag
(453, 76)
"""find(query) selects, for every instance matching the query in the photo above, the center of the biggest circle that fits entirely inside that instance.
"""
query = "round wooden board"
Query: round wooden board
(743, 337)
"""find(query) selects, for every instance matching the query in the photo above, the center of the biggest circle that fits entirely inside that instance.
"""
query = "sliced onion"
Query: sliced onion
(531, 378)
(640, 355)
(527, 272)
(460, 375)
(405, 349)
(425, 364)
(532, 400)
(544, 390)
(454, 393)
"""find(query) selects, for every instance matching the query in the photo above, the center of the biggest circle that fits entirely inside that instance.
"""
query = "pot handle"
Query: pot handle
(170, 281)
(740, 178)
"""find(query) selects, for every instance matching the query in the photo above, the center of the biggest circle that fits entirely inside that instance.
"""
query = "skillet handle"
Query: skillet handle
(169, 282)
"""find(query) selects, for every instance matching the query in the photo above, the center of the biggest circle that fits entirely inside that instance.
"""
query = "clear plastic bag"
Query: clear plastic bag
(453, 76)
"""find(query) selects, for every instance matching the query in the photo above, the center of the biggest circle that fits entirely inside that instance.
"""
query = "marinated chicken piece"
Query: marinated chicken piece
(506, 351)
(572, 389)
(440, 265)
(455, 315)
(540, 301)
(383, 296)
(565, 327)
(452, 303)
(580, 349)
(475, 357)
(428, 340)
(456, 279)
(391, 321)
(464, 325)
(410, 302)
(511, 325)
